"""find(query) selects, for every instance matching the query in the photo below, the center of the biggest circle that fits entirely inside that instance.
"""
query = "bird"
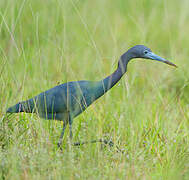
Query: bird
(66, 101)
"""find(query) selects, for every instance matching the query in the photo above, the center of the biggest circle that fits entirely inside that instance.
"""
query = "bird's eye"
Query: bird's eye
(145, 52)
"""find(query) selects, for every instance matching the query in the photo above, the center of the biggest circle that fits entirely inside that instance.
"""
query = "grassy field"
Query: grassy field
(45, 43)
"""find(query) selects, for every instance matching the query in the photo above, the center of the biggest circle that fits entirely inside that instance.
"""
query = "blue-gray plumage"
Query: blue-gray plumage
(66, 101)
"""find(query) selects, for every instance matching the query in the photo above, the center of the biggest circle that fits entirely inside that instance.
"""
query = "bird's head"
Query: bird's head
(141, 51)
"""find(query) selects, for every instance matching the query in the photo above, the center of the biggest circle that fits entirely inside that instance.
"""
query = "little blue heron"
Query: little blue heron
(66, 101)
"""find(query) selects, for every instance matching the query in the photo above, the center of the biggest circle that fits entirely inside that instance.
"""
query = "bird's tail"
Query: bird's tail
(25, 106)
(16, 108)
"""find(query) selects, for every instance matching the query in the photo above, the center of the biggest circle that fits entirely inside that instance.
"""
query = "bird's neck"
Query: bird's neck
(112, 79)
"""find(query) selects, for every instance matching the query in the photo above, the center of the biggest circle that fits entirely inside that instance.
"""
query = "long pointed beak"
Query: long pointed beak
(153, 56)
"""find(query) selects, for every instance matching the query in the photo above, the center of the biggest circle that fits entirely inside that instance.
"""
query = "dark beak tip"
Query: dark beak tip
(175, 66)
(171, 64)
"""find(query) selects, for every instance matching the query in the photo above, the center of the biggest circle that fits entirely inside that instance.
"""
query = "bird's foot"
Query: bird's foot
(106, 142)
(109, 142)
(59, 146)
(78, 143)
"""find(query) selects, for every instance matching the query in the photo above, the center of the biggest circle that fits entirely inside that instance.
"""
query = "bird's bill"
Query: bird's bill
(158, 58)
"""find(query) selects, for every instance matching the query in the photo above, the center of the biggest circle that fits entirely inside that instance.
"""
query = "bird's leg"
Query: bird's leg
(62, 134)
(70, 126)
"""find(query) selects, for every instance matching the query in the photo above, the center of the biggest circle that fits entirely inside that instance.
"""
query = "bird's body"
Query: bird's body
(66, 101)
(73, 97)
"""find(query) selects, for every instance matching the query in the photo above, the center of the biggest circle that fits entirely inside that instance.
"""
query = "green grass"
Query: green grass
(44, 43)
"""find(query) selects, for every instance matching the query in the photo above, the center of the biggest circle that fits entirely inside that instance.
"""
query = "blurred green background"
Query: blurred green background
(45, 43)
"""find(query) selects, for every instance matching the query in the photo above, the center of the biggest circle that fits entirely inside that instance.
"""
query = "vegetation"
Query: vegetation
(45, 43)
